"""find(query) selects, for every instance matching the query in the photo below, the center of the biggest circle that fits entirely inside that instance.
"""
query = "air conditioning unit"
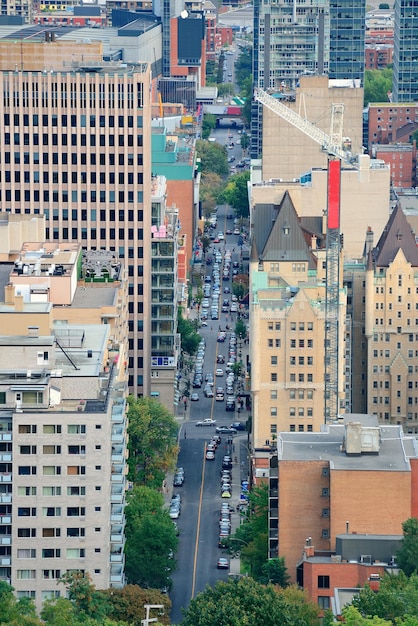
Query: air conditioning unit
(366, 558)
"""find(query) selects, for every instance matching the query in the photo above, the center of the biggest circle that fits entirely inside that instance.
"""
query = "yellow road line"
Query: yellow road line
(199, 512)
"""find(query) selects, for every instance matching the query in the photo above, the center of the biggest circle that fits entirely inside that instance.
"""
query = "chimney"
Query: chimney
(309, 551)
(18, 302)
(33, 331)
(313, 242)
(9, 294)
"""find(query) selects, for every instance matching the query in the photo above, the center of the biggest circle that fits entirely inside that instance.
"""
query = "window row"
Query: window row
(47, 574)
(36, 176)
(93, 158)
(54, 429)
(49, 449)
(300, 378)
(54, 511)
(301, 326)
(75, 121)
(300, 411)
(73, 490)
(300, 360)
(102, 196)
(381, 321)
(54, 470)
(73, 140)
(52, 553)
(301, 428)
(55, 532)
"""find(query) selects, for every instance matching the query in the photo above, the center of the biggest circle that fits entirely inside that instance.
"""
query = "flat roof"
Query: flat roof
(93, 297)
(394, 454)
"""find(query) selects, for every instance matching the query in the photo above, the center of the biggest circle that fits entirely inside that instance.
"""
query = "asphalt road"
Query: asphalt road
(201, 497)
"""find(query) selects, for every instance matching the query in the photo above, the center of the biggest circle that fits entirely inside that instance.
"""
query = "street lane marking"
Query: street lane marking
(199, 512)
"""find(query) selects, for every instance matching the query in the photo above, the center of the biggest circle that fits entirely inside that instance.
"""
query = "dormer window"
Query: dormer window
(286, 230)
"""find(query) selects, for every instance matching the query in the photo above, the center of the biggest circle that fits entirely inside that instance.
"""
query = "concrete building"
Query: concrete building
(165, 297)
(405, 72)
(288, 152)
(63, 450)
(91, 179)
(15, 230)
(287, 324)
(365, 198)
(347, 473)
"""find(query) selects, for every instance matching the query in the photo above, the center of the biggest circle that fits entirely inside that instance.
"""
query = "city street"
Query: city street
(198, 550)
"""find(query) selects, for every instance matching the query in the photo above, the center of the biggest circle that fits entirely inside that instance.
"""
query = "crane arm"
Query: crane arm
(330, 144)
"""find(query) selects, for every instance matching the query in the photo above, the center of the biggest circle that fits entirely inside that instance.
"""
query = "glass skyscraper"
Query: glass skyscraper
(405, 57)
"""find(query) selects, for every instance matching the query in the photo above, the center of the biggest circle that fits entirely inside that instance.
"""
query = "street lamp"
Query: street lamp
(148, 608)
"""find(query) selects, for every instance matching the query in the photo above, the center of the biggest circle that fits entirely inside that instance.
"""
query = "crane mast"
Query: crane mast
(332, 144)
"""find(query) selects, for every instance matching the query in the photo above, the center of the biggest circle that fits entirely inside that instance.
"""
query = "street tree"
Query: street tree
(15, 612)
(240, 330)
(407, 556)
(208, 124)
(243, 66)
(152, 441)
(225, 89)
(87, 601)
(236, 194)
(274, 571)
(213, 158)
(245, 602)
(189, 337)
(353, 617)
(128, 603)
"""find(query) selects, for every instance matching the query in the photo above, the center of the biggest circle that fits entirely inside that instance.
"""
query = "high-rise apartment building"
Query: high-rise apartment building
(405, 71)
(347, 39)
(76, 147)
(63, 437)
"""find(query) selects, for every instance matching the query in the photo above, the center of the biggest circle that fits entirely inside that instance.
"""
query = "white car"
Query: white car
(206, 422)
(221, 236)
(219, 372)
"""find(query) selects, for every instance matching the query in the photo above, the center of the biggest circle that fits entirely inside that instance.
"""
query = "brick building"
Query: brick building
(350, 471)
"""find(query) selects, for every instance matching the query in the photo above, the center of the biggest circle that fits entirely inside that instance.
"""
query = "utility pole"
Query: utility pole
(148, 608)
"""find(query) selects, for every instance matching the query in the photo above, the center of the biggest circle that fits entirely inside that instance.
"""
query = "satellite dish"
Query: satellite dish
(184, 14)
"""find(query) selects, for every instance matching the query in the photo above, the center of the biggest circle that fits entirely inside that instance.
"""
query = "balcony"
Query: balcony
(118, 435)
(117, 498)
(116, 518)
(6, 436)
(6, 458)
(116, 558)
(6, 498)
(118, 413)
(118, 478)
(5, 519)
(6, 477)
(5, 560)
(6, 540)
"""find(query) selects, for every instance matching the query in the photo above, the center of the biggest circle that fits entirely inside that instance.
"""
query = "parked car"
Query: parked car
(222, 563)
(238, 426)
(194, 397)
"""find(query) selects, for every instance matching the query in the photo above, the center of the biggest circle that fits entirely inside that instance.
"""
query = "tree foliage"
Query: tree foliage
(250, 539)
(407, 556)
(208, 124)
(210, 188)
(243, 66)
(353, 617)
(396, 598)
(213, 158)
(152, 441)
(377, 85)
(190, 338)
(274, 571)
(236, 194)
(245, 602)
(128, 603)
(151, 539)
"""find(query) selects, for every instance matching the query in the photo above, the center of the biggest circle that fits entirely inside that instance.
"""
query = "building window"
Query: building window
(323, 582)
(323, 602)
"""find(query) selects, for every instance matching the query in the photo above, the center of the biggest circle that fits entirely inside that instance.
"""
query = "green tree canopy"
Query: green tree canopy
(396, 598)
(353, 617)
(213, 158)
(127, 604)
(236, 194)
(152, 441)
(208, 124)
(243, 66)
(407, 556)
(189, 337)
(377, 84)
(245, 602)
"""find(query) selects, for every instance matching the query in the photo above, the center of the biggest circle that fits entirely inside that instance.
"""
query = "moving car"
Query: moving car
(194, 397)
(208, 391)
(206, 422)
(238, 426)
(225, 430)
(219, 371)
(220, 359)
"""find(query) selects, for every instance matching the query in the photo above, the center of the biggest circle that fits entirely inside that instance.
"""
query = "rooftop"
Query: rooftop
(394, 452)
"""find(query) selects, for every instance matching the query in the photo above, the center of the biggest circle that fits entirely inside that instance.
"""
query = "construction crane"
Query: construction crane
(332, 144)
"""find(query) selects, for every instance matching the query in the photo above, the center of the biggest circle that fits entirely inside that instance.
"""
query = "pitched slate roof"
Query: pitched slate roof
(396, 236)
(278, 235)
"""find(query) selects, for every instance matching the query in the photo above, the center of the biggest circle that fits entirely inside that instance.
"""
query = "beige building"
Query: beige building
(391, 323)
(28, 55)
(287, 152)
(76, 147)
(62, 450)
(287, 324)
(15, 230)
(365, 199)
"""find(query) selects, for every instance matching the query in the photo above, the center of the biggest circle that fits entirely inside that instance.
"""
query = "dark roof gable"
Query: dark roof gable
(396, 236)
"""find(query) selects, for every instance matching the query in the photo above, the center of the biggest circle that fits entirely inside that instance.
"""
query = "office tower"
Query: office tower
(405, 70)
(347, 40)
(75, 146)
(295, 39)
(63, 437)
